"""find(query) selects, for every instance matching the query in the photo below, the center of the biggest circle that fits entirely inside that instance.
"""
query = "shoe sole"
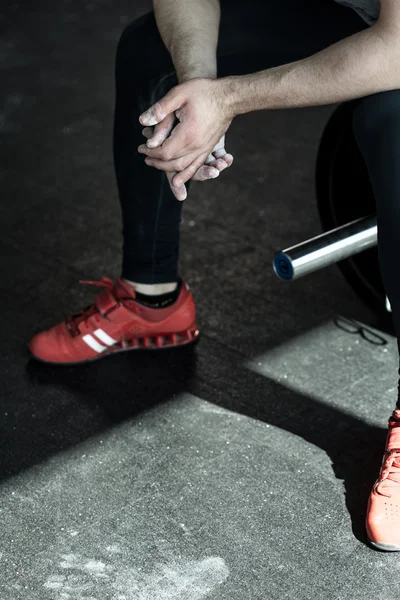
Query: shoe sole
(385, 547)
(146, 344)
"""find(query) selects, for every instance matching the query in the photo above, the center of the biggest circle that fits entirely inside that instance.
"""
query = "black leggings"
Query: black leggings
(254, 35)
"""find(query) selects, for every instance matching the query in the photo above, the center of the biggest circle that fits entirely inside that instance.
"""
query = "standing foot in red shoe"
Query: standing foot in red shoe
(117, 322)
(383, 512)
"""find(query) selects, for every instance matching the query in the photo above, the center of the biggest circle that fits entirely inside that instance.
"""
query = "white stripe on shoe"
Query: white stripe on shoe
(104, 337)
(94, 344)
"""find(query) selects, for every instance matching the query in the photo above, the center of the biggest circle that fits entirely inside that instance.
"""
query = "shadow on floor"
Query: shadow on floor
(123, 386)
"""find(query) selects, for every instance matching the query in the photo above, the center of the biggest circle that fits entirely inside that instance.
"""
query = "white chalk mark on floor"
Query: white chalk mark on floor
(81, 577)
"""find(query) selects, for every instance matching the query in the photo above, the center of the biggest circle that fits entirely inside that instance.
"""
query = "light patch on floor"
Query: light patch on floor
(342, 363)
(78, 577)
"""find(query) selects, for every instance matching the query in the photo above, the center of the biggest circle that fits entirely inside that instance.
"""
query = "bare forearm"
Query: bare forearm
(189, 29)
(360, 65)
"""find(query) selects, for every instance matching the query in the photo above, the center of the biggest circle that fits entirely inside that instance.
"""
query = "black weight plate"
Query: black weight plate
(344, 193)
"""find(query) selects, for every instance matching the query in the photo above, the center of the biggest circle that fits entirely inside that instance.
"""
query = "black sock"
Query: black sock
(162, 301)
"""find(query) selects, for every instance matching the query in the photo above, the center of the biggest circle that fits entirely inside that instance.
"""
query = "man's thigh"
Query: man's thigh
(253, 35)
(259, 34)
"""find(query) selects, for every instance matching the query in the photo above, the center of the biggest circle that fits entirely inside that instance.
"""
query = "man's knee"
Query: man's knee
(135, 32)
(134, 39)
(377, 114)
(141, 53)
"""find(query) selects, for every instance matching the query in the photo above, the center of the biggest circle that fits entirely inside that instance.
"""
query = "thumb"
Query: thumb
(167, 105)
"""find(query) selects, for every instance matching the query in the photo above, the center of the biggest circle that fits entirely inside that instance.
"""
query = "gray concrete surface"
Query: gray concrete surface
(237, 470)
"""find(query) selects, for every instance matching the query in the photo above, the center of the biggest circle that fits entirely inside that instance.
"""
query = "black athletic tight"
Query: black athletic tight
(254, 35)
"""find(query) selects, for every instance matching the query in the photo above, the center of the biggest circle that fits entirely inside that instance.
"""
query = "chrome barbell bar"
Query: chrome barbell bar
(326, 249)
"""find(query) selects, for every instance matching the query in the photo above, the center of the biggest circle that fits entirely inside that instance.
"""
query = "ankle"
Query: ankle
(154, 289)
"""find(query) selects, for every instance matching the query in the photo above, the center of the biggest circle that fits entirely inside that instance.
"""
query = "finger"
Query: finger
(205, 172)
(189, 172)
(228, 158)
(172, 101)
(161, 132)
(147, 132)
(174, 147)
(220, 164)
(219, 152)
(223, 162)
(210, 159)
(171, 165)
(208, 171)
(180, 192)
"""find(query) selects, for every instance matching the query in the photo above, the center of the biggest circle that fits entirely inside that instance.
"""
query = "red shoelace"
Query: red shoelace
(390, 471)
(74, 321)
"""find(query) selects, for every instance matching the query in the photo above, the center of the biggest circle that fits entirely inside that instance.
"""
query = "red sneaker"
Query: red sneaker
(116, 322)
(383, 512)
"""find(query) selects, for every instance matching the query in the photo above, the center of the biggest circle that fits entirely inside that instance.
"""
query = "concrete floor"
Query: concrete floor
(238, 469)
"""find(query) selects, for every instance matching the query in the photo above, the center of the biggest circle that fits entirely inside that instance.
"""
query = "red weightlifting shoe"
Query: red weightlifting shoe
(383, 512)
(116, 322)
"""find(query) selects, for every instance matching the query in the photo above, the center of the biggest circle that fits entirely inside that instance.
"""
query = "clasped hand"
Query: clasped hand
(188, 139)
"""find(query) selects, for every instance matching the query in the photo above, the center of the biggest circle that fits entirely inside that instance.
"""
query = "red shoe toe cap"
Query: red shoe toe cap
(50, 345)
